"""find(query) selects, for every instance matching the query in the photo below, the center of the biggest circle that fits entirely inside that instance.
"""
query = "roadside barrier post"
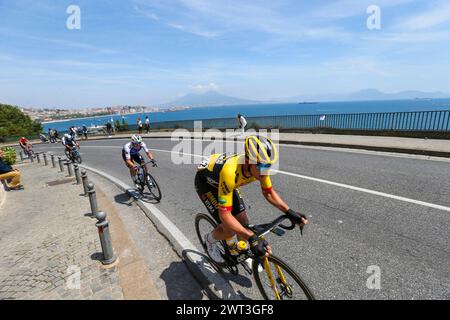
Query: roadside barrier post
(61, 167)
(84, 178)
(38, 156)
(77, 173)
(69, 168)
(45, 159)
(105, 238)
(92, 199)
(21, 155)
(53, 160)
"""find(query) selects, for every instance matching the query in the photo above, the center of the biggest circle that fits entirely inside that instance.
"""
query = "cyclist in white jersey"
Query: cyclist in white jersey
(130, 154)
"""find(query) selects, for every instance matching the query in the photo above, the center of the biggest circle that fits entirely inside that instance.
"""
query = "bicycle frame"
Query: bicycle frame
(143, 167)
(261, 231)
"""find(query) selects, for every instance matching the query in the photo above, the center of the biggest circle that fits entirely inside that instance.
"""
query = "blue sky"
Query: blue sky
(152, 51)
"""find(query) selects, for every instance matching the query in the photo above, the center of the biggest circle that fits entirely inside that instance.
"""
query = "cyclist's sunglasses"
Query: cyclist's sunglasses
(263, 166)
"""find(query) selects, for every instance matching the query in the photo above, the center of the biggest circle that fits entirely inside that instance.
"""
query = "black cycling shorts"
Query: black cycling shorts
(134, 157)
(209, 195)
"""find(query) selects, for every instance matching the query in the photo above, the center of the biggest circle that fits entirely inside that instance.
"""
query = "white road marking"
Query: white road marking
(337, 184)
(382, 194)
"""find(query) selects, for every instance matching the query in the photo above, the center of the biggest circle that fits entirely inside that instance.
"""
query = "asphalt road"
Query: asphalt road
(405, 231)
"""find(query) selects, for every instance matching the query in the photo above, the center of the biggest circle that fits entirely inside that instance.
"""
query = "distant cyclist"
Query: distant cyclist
(131, 155)
(217, 183)
(69, 143)
(26, 145)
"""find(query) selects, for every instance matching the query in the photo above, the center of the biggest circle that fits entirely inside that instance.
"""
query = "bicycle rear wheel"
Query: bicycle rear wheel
(280, 282)
(77, 157)
(153, 187)
(204, 224)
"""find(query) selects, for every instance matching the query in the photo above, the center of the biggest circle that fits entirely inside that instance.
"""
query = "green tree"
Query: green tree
(124, 125)
(118, 125)
(14, 122)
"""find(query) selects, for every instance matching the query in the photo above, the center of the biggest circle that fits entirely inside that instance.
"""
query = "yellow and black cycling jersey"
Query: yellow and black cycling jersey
(225, 172)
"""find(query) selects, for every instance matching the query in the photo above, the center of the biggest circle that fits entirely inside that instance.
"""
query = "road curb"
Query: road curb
(2, 195)
(211, 281)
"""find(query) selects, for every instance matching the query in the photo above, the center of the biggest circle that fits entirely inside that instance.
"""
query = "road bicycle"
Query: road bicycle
(145, 179)
(275, 279)
(74, 155)
(29, 152)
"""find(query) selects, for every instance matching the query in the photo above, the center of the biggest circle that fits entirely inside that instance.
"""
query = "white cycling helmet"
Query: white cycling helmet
(136, 139)
(67, 136)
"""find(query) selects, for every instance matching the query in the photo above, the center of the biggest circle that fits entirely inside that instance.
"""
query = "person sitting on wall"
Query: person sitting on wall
(9, 175)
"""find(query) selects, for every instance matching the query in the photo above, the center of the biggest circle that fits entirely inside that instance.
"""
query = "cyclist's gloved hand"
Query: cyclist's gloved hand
(298, 218)
(153, 161)
(258, 246)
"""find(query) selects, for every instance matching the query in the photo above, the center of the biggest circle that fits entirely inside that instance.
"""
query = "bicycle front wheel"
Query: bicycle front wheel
(277, 281)
(153, 187)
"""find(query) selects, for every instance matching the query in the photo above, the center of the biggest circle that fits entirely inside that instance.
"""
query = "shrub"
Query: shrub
(9, 155)
(124, 126)
(254, 125)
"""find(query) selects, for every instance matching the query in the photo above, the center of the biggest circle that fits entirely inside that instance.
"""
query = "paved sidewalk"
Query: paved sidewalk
(47, 244)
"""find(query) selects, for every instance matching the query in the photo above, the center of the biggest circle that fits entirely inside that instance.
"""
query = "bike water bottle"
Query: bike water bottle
(231, 243)
(242, 246)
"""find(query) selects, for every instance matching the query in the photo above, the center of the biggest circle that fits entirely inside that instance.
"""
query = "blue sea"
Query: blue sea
(265, 110)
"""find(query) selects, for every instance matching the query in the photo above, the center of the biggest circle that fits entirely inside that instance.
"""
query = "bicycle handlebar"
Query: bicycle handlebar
(151, 161)
(263, 229)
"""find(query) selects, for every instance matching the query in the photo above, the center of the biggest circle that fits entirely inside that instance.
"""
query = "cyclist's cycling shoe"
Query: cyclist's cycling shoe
(249, 263)
(213, 250)
(19, 187)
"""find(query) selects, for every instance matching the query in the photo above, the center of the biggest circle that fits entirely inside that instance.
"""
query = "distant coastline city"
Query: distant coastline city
(45, 115)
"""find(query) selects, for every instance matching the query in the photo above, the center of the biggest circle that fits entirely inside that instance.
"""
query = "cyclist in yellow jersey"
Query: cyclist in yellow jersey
(217, 183)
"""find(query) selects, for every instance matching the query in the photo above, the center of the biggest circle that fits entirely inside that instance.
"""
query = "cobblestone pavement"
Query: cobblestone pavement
(49, 249)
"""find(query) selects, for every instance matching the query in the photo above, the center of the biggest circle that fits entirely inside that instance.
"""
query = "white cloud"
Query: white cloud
(348, 8)
(426, 20)
(212, 18)
(150, 15)
(205, 87)
(411, 37)
(193, 30)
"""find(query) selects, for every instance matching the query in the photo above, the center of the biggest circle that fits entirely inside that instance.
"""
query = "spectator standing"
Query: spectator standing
(9, 175)
(85, 132)
(73, 132)
(147, 124)
(241, 122)
(139, 123)
(109, 128)
(52, 135)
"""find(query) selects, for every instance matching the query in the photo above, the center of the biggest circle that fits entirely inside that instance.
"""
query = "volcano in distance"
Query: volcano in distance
(209, 99)
(213, 98)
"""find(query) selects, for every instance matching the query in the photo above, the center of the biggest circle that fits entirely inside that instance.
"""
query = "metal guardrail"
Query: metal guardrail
(417, 121)
(437, 121)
